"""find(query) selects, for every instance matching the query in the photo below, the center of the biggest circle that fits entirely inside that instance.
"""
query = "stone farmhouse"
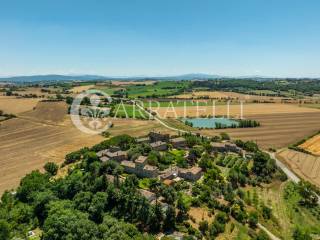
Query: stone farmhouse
(140, 168)
(179, 143)
(159, 146)
(226, 147)
(157, 136)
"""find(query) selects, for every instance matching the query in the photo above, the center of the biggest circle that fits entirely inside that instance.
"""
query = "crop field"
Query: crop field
(129, 111)
(48, 112)
(305, 165)
(15, 105)
(234, 110)
(158, 89)
(27, 145)
(276, 130)
(312, 145)
(47, 134)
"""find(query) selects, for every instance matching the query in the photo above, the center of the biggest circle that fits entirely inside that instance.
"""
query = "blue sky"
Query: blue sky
(160, 37)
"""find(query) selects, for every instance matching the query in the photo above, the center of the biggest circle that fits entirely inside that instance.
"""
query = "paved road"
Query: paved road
(291, 175)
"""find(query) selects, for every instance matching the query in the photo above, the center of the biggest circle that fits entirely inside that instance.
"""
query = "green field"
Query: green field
(159, 89)
(128, 111)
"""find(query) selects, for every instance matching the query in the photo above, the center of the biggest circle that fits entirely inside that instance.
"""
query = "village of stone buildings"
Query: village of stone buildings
(162, 143)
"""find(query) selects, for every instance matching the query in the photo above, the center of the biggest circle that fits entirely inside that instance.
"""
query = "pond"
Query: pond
(211, 122)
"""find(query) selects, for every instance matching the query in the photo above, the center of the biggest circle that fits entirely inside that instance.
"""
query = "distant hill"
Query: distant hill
(51, 77)
(191, 76)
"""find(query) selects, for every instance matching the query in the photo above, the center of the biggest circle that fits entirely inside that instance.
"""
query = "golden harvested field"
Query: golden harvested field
(79, 89)
(281, 124)
(17, 105)
(47, 134)
(305, 165)
(312, 145)
(27, 145)
(135, 127)
(48, 112)
(276, 130)
(234, 110)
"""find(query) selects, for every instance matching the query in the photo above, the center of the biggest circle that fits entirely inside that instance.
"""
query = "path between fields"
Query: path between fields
(283, 167)
(272, 237)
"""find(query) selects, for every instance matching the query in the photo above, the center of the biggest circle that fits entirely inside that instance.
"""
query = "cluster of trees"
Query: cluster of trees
(248, 123)
(241, 123)
(305, 86)
(84, 205)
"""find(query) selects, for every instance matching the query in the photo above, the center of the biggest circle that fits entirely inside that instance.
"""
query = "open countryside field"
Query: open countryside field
(79, 89)
(27, 145)
(47, 134)
(312, 145)
(276, 130)
(234, 110)
(305, 165)
(15, 105)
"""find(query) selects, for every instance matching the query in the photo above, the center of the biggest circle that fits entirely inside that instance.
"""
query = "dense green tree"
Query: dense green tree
(266, 212)
(253, 219)
(4, 230)
(170, 218)
(82, 200)
(51, 168)
(97, 207)
(40, 204)
(263, 165)
(308, 193)
(113, 229)
(30, 184)
(68, 224)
